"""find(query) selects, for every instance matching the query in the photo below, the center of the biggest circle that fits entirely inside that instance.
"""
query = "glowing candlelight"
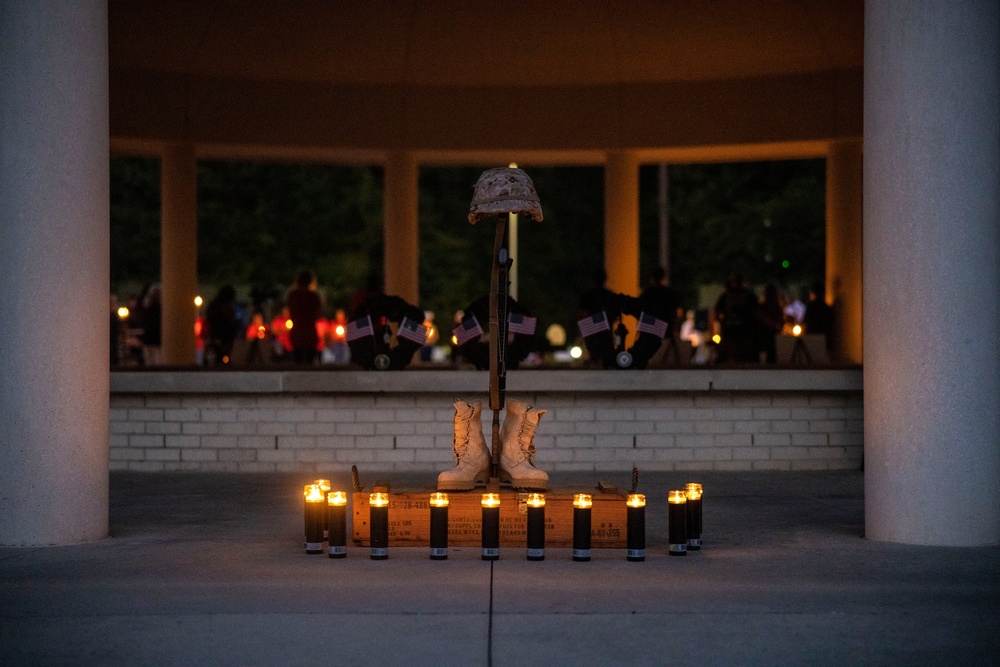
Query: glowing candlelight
(336, 514)
(378, 505)
(439, 526)
(582, 504)
(314, 513)
(677, 522)
(536, 526)
(491, 526)
(694, 492)
(636, 527)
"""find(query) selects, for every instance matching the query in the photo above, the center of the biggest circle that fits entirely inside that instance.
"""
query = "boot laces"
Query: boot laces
(460, 439)
(526, 439)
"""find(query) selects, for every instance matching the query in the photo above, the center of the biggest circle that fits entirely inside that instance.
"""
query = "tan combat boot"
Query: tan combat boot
(517, 452)
(472, 457)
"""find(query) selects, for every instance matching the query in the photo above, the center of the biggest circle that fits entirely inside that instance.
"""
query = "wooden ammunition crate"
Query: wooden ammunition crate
(410, 519)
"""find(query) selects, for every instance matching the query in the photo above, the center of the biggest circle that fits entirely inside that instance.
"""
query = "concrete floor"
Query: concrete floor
(205, 569)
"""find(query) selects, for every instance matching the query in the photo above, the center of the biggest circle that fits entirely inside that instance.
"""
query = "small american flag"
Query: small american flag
(360, 328)
(594, 324)
(521, 324)
(412, 330)
(467, 330)
(650, 324)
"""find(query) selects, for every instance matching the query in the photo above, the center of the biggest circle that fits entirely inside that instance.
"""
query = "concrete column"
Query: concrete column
(932, 272)
(54, 272)
(844, 203)
(621, 222)
(402, 247)
(179, 251)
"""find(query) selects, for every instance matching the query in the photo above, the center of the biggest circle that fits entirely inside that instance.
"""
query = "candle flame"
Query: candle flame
(636, 500)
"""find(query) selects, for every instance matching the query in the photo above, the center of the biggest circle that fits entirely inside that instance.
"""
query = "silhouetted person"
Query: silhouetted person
(735, 311)
(598, 297)
(659, 309)
(819, 315)
(606, 345)
(256, 333)
(662, 301)
(152, 326)
(304, 308)
(221, 324)
(770, 320)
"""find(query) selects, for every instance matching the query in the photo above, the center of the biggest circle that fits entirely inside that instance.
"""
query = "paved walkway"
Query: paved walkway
(209, 570)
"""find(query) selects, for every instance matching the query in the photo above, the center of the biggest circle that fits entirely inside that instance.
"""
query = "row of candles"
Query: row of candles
(326, 520)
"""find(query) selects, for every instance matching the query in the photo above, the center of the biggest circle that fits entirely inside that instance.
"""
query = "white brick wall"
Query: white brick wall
(582, 431)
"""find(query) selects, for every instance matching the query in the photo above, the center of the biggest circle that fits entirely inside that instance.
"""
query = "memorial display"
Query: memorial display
(510, 510)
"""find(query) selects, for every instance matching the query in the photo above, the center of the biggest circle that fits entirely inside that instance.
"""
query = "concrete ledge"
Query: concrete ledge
(597, 420)
(466, 381)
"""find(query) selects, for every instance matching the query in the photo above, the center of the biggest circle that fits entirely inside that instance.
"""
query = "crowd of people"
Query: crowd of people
(228, 331)
(748, 326)
(740, 328)
(136, 328)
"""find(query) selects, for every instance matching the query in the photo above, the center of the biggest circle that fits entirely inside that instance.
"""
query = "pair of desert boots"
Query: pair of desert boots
(517, 451)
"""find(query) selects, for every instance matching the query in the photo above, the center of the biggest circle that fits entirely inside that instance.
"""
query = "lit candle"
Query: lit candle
(324, 487)
(677, 523)
(378, 520)
(636, 525)
(314, 512)
(536, 526)
(439, 526)
(491, 526)
(336, 516)
(582, 503)
(693, 492)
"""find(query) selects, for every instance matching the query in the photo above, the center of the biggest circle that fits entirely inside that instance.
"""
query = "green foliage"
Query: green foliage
(134, 221)
(260, 223)
(746, 217)
(453, 253)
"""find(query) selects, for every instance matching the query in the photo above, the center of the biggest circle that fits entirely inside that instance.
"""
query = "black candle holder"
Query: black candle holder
(439, 526)
(324, 487)
(336, 515)
(582, 504)
(693, 491)
(314, 514)
(677, 523)
(536, 526)
(491, 526)
(636, 527)
(378, 521)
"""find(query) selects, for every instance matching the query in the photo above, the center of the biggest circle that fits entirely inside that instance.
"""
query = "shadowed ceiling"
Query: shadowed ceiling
(451, 79)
